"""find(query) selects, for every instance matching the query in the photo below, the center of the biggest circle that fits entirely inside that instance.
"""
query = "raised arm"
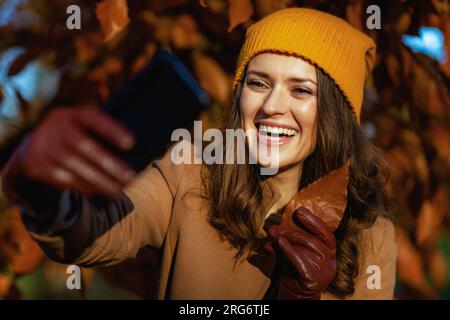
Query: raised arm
(82, 203)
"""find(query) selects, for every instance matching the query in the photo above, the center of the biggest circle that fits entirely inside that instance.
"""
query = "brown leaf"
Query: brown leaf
(162, 26)
(216, 6)
(436, 104)
(101, 74)
(326, 198)
(438, 268)
(212, 77)
(266, 7)
(430, 218)
(413, 145)
(113, 17)
(87, 47)
(441, 6)
(439, 136)
(22, 253)
(403, 23)
(353, 13)
(409, 264)
(425, 90)
(393, 69)
(143, 59)
(400, 163)
(445, 67)
(159, 6)
(184, 32)
(441, 200)
(407, 61)
(428, 222)
(386, 128)
(239, 11)
(6, 283)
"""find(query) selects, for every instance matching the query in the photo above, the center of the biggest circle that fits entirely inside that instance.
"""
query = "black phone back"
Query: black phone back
(161, 98)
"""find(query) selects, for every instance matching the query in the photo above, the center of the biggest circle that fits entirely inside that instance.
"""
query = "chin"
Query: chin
(282, 164)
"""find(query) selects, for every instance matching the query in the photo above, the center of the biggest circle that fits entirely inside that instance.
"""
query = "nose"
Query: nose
(275, 102)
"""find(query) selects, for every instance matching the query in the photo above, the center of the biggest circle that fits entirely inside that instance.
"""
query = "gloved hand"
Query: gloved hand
(66, 151)
(308, 257)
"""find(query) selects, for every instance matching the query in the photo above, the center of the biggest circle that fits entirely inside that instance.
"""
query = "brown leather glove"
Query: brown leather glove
(308, 263)
(66, 151)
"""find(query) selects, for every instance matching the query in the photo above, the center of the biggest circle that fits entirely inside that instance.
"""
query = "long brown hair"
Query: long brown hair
(240, 198)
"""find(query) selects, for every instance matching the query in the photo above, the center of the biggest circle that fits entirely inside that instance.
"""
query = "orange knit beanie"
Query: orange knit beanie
(346, 54)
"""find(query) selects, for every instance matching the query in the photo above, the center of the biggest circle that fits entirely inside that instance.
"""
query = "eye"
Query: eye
(302, 91)
(255, 84)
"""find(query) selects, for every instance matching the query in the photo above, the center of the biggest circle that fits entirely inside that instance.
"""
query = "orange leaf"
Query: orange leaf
(400, 163)
(428, 222)
(353, 13)
(22, 253)
(431, 215)
(184, 32)
(409, 264)
(326, 198)
(142, 60)
(6, 283)
(101, 74)
(442, 7)
(393, 69)
(113, 17)
(445, 27)
(212, 77)
(439, 136)
(266, 7)
(438, 269)
(87, 47)
(413, 145)
(239, 11)
(440, 200)
(403, 23)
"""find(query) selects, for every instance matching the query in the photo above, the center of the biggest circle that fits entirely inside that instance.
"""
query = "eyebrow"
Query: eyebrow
(292, 79)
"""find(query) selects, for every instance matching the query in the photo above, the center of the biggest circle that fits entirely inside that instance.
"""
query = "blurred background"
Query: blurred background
(406, 112)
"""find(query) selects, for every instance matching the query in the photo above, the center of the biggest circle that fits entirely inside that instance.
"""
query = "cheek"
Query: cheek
(305, 115)
(249, 105)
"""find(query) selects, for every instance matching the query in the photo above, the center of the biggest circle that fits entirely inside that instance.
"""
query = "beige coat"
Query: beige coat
(195, 262)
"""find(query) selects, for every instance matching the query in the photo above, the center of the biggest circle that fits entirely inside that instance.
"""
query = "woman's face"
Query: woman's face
(279, 96)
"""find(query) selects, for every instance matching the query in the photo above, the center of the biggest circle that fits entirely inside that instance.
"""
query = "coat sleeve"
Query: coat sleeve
(108, 232)
(377, 263)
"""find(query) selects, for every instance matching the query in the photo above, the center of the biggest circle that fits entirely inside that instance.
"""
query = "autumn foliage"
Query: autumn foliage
(406, 110)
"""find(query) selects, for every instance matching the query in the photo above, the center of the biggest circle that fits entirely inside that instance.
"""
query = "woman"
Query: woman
(301, 73)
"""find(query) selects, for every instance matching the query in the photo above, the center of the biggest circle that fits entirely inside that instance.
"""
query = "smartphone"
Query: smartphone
(162, 97)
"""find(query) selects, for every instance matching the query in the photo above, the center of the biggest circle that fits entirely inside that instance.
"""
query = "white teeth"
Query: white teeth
(277, 130)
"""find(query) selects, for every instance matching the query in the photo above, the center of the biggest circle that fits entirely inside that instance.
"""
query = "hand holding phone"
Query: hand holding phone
(97, 153)
(66, 152)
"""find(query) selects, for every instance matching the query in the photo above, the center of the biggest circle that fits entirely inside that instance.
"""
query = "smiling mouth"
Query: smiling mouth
(273, 135)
